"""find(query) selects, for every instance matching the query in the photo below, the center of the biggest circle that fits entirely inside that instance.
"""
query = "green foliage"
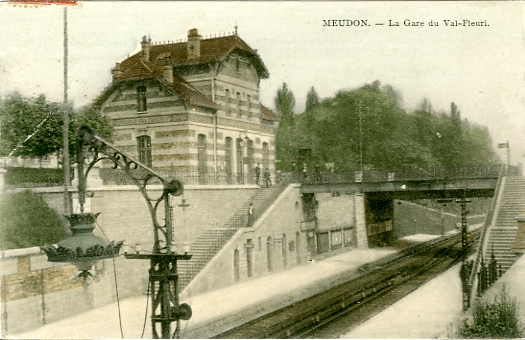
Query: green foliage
(312, 100)
(16, 176)
(285, 102)
(20, 117)
(27, 221)
(499, 319)
(369, 123)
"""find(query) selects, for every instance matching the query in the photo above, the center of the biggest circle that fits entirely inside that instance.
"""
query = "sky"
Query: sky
(480, 68)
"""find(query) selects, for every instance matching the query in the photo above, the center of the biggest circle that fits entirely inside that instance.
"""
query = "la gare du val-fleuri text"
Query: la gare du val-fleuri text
(406, 23)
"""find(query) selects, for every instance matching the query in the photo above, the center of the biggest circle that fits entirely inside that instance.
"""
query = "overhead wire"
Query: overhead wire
(116, 285)
(32, 134)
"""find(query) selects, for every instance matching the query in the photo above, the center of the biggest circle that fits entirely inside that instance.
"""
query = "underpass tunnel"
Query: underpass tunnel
(379, 218)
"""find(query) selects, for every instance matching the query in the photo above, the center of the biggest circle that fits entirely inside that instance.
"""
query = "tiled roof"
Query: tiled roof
(190, 95)
(211, 50)
(268, 114)
(134, 68)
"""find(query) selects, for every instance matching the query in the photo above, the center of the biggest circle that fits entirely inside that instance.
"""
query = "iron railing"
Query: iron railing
(408, 174)
(237, 221)
(488, 222)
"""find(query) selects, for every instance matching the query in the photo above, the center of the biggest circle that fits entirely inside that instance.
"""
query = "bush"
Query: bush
(16, 176)
(27, 221)
(499, 319)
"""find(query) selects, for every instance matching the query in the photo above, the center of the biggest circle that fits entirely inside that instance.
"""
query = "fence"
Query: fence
(413, 174)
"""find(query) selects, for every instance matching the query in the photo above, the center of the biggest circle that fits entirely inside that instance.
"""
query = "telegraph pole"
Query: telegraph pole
(65, 127)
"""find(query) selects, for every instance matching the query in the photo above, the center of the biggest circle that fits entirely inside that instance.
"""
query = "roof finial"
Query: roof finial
(236, 28)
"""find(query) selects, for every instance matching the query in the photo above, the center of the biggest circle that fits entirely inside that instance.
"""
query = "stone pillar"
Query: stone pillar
(360, 221)
(519, 243)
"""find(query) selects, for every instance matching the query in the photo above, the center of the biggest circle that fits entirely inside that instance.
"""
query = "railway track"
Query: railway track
(334, 312)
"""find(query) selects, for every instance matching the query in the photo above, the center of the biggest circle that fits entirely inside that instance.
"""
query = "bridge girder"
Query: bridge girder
(411, 189)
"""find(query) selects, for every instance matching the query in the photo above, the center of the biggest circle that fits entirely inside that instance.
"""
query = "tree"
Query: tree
(32, 127)
(368, 123)
(27, 221)
(312, 100)
(284, 103)
(285, 152)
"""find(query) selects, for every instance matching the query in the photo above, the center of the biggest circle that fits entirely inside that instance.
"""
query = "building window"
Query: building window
(227, 101)
(228, 159)
(142, 103)
(249, 99)
(236, 266)
(265, 155)
(202, 158)
(239, 112)
(144, 148)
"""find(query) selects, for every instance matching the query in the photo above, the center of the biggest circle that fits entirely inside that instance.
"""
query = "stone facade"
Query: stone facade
(281, 240)
(193, 107)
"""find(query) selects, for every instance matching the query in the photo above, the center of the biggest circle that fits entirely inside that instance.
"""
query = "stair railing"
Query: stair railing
(488, 223)
(240, 218)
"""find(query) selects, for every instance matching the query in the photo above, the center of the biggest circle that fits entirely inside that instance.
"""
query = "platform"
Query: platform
(214, 310)
(432, 311)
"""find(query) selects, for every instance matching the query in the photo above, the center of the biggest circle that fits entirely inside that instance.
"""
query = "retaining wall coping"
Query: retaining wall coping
(132, 187)
(186, 187)
(20, 252)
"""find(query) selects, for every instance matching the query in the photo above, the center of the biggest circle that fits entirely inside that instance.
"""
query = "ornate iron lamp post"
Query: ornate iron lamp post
(84, 249)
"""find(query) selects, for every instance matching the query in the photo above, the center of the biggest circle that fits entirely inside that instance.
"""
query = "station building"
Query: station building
(193, 106)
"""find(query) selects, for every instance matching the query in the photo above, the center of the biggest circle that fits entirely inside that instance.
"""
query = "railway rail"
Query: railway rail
(334, 312)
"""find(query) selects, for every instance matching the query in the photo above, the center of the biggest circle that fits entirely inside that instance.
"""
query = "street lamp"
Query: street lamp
(84, 249)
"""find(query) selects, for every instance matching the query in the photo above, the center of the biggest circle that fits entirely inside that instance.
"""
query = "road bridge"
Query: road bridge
(377, 190)
(416, 183)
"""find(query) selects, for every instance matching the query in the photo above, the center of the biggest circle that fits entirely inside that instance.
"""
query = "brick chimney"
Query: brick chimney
(167, 72)
(146, 44)
(194, 44)
(116, 71)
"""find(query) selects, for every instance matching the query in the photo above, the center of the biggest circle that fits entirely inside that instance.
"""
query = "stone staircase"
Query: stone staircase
(503, 234)
(212, 241)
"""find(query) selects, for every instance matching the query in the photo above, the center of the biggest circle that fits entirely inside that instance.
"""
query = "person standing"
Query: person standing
(257, 174)
(267, 180)
(250, 215)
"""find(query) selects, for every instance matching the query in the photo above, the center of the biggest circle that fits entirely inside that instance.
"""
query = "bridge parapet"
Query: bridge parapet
(413, 174)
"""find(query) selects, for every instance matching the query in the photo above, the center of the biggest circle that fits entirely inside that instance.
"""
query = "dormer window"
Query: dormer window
(142, 103)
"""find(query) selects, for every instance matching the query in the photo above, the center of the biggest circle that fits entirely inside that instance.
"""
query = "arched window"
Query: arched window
(228, 159)
(142, 103)
(239, 144)
(227, 101)
(298, 246)
(249, 100)
(236, 267)
(249, 257)
(284, 250)
(144, 149)
(202, 157)
(238, 102)
(269, 263)
(265, 155)
(249, 160)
